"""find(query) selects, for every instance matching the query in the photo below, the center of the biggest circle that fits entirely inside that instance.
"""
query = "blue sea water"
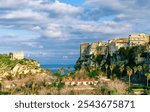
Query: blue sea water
(55, 67)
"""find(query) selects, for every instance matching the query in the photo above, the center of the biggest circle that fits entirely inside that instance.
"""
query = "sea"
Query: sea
(55, 67)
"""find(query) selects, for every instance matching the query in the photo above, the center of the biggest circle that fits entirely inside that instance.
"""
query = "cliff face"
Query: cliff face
(18, 69)
(119, 51)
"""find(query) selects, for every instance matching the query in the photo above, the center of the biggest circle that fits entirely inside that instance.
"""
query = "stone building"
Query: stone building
(97, 48)
(116, 44)
(138, 39)
(17, 55)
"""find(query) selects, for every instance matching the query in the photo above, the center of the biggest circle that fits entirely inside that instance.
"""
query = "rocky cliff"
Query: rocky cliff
(18, 69)
(116, 51)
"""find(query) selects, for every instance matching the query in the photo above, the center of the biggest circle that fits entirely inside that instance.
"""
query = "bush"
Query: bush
(4, 93)
(112, 92)
(48, 94)
(93, 73)
(60, 85)
(147, 92)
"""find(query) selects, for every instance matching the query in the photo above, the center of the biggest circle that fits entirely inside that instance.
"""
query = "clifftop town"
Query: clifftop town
(111, 52)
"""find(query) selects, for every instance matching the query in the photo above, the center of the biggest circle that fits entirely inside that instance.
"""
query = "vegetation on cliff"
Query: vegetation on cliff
(126, 64)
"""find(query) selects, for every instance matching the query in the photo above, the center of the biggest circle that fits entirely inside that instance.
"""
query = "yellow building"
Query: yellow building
(138, 39)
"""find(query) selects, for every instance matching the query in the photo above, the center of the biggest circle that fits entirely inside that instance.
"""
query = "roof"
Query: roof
(120, 40)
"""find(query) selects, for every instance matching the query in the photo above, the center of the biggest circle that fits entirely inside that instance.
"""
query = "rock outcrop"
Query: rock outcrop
(116, 51)
(18, 69)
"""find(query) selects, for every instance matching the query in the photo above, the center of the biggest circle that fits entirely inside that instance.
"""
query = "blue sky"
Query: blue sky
(51, 31)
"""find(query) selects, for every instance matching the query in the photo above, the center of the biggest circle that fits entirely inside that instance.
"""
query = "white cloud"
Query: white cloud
(56, 6)
(106, 27)
(15, 4)
(53, 31)
(114, 4)
(24, 14)
(63, 8)
(36, 28)
(121, 16)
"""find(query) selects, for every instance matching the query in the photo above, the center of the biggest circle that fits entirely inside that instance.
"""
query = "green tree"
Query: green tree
(93, 73)
(68, 71)
(139, 68)
(112, 68)
(62, 71)
(121, 70)
(129, 73)
(134, 69)
(147, 77)
(100, 75)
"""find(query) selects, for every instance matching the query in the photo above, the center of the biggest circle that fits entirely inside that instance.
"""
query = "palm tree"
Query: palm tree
(100, 75)
(147, 77)
(62, 70)
(115, 76)
(134, 69)
(68, 71)
(100, 68)
(139, 68)
(145, 67)
(111, 68)
(106, 67)
(121, 70)
(129, 73)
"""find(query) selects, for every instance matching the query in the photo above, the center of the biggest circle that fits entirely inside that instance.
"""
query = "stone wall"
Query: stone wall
(17, 55)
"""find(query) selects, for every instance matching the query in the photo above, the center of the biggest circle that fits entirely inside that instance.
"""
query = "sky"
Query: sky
(51, 31)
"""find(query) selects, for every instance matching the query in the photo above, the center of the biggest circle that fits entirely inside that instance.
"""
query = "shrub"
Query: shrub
(48, 94)
(93, 73)
(4, 93)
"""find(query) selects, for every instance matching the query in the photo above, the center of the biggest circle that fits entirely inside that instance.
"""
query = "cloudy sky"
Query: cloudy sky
(51, 31)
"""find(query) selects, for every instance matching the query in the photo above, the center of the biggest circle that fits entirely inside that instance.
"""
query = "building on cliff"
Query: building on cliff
(138, 39)
(116, 44)
(87, 50)
(97, 48)
(17, 55)
(97, 53)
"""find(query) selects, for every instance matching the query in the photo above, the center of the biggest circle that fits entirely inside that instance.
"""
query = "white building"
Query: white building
(138, 39)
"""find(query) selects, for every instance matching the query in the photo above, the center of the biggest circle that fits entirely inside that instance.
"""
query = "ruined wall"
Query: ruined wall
(17, 55)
